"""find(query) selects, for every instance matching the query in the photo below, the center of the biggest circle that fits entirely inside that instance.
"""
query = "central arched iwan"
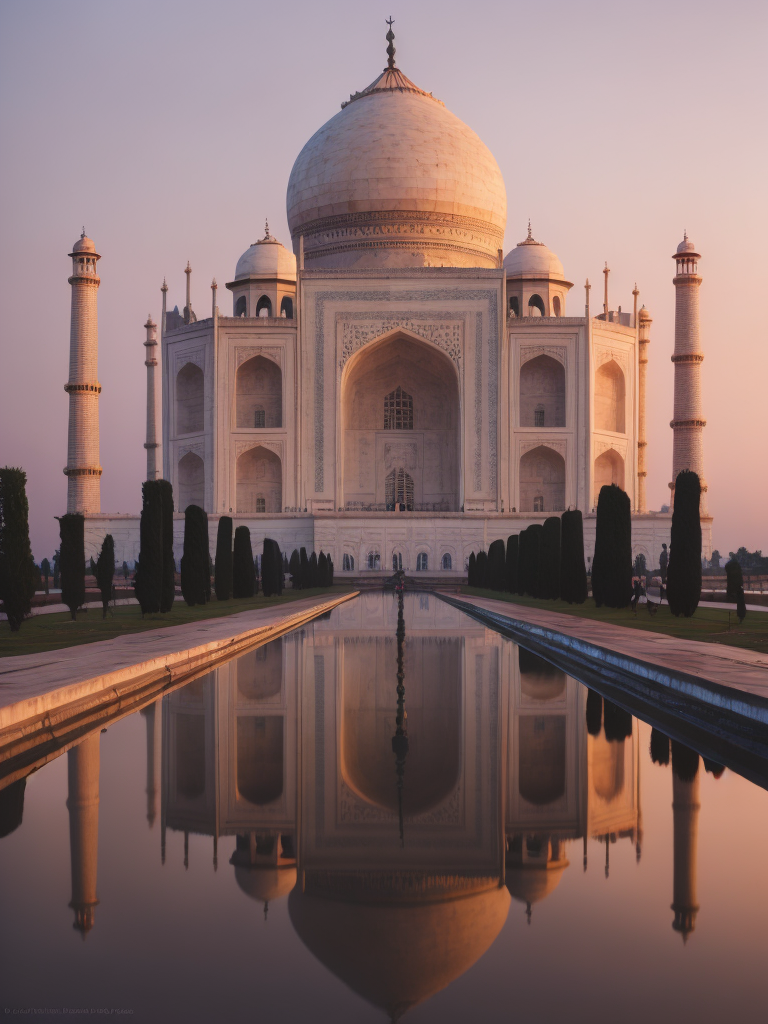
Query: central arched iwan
(400, 412)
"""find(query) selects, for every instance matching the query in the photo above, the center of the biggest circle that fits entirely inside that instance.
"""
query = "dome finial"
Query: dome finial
(266, 230)
(530, 236)
(390, 41)
(83, 234)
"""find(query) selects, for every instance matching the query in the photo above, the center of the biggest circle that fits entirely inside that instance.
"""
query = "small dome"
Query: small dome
(83, 244)
(643, 314)
(686, 245)
(265, 884)
(533, 259)
(532, 884)
(266, 258)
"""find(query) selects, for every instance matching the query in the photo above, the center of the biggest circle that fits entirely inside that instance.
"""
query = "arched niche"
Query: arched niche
(542, 480)
(190, 389)
(432, 679)
(536, 306)
(259, 394)
(421, 442)
(556, 306)
(286, 307)
(190, 755)
(539, 679)
(542, 392)
(264, 306)
(609, 469)
(541, 776)
(259, 758)
(260, 673)
(191, 481)
(241, 306)
(610, 393)
(259, 481)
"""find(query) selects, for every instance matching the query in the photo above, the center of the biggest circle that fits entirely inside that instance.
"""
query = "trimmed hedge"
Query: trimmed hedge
(72, 561)
(244, 582)
(168, 584)
(550, 559)
(497, 566)
(148, 579)
(17, 567)
(105, 572)
(195, 562)
(511, 563)
(612, 564)
(222, 578)
(573, 572)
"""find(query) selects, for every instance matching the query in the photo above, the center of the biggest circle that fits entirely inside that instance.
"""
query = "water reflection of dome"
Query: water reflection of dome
(397, 956)
(538, 679)
(433, 705)
(265, 884)
(532, 883)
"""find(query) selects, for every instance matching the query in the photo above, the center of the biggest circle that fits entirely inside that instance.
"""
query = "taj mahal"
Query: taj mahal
(392, 388)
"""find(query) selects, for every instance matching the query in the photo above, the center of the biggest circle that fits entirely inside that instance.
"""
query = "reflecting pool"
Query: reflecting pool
(360, 822)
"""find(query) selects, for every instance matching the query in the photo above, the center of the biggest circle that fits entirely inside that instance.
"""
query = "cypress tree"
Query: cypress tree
(322, 570)
(279, 564)
(269, 568)
(56, 572)
(294, 568)
(313, 581)
(684, 572)
(72, 561)
(573, 572)
(148, 580)
(105, 571)
(612, 564)
(617, 722)
(195, 561)
(734, 579)
(330, 570)
(511, 563)
(659, 747)
(535, 532)
(550, 558)
(304, 569)
(481, 569)
(522, 561)
(223, 575)
(685, 762)
(497, 567)
(168, 583)
(471, 574)
(244, 583)
(45, 568)
(594, 712)
(17, 567)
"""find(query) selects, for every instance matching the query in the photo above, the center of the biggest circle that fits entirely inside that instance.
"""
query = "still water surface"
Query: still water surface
(275, 842)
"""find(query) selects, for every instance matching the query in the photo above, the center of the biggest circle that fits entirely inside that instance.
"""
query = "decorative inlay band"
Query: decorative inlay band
(687, 423)
(83, 471)
(690, 357)
(96, 388)
(445, 330)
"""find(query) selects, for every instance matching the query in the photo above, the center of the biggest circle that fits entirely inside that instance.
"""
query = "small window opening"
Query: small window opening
(398, 410)
(259, 418)
(240, 306)
(261, 505)
(538, 416)
(264, 307)
(538, 503)
(286, 307)
(422, 562)
(447, 563)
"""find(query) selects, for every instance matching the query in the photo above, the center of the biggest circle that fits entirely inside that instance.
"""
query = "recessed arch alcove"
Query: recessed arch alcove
(609, 469)
(400, 413)
(191, 481)
(541, 778)
(260, 673)
(259, 481)
(610, 393)
(542, 392)
(542, 480)
(259, 758)
(432, 679)
(259, 389)
(539, 680)
(190, 389)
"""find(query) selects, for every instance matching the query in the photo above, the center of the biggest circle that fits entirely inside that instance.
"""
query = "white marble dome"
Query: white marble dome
(84, 244)
(686, 245)
(395, 179)
(266, 258)
(533, 259)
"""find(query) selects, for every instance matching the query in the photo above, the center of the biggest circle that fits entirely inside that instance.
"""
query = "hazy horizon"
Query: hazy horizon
(169, 130)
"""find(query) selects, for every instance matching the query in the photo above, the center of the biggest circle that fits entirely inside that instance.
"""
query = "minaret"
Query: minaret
(153, 713)
(644, 322)
(685, 811)
(688, 423)
(151, 444)
(83, 470)
(83, 807)
(189, 316)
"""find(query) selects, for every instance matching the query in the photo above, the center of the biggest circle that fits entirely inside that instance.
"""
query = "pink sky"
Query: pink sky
(169, 130)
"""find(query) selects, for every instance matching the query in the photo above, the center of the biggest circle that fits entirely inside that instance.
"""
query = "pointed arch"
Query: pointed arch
(191, 481)
(610, 397)
(542, 480)
(259, 394)
(190, 391)
(259, 483)
(542, 390)
(609, 469)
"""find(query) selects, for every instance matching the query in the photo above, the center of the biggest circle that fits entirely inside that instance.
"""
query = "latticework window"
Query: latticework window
(538, 416)
(261, 504)
(260, 418)
(538, 504)
(398, 410)
(398, 490)
(422, 562)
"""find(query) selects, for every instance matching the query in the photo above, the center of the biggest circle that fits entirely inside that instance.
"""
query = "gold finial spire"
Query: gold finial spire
(530, 236)
(266, 230)
(390, 41)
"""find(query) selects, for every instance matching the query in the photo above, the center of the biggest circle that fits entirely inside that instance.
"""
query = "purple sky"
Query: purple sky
(169, 130)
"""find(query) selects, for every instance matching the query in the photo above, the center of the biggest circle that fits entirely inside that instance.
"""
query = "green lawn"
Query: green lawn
(51, 632)
(708, 624)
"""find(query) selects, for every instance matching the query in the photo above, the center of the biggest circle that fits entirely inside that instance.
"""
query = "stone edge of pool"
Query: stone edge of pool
(624, 669)
(79, 706)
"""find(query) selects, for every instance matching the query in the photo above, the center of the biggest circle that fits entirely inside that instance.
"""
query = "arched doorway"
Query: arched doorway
(542, 481)
(400, 423)
(259, 758)
(610, 397)
(190, 387)
(542, 393)
(191, 482)
(259, 394)
(609, 469)
(259, 481)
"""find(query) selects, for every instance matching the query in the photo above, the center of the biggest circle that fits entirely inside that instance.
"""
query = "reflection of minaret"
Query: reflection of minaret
(83, 807)
(153, 715)
(400, 739)
(685, 810)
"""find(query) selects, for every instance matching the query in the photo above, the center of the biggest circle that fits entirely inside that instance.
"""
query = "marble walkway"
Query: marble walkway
(32, 684)
(727, 666)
